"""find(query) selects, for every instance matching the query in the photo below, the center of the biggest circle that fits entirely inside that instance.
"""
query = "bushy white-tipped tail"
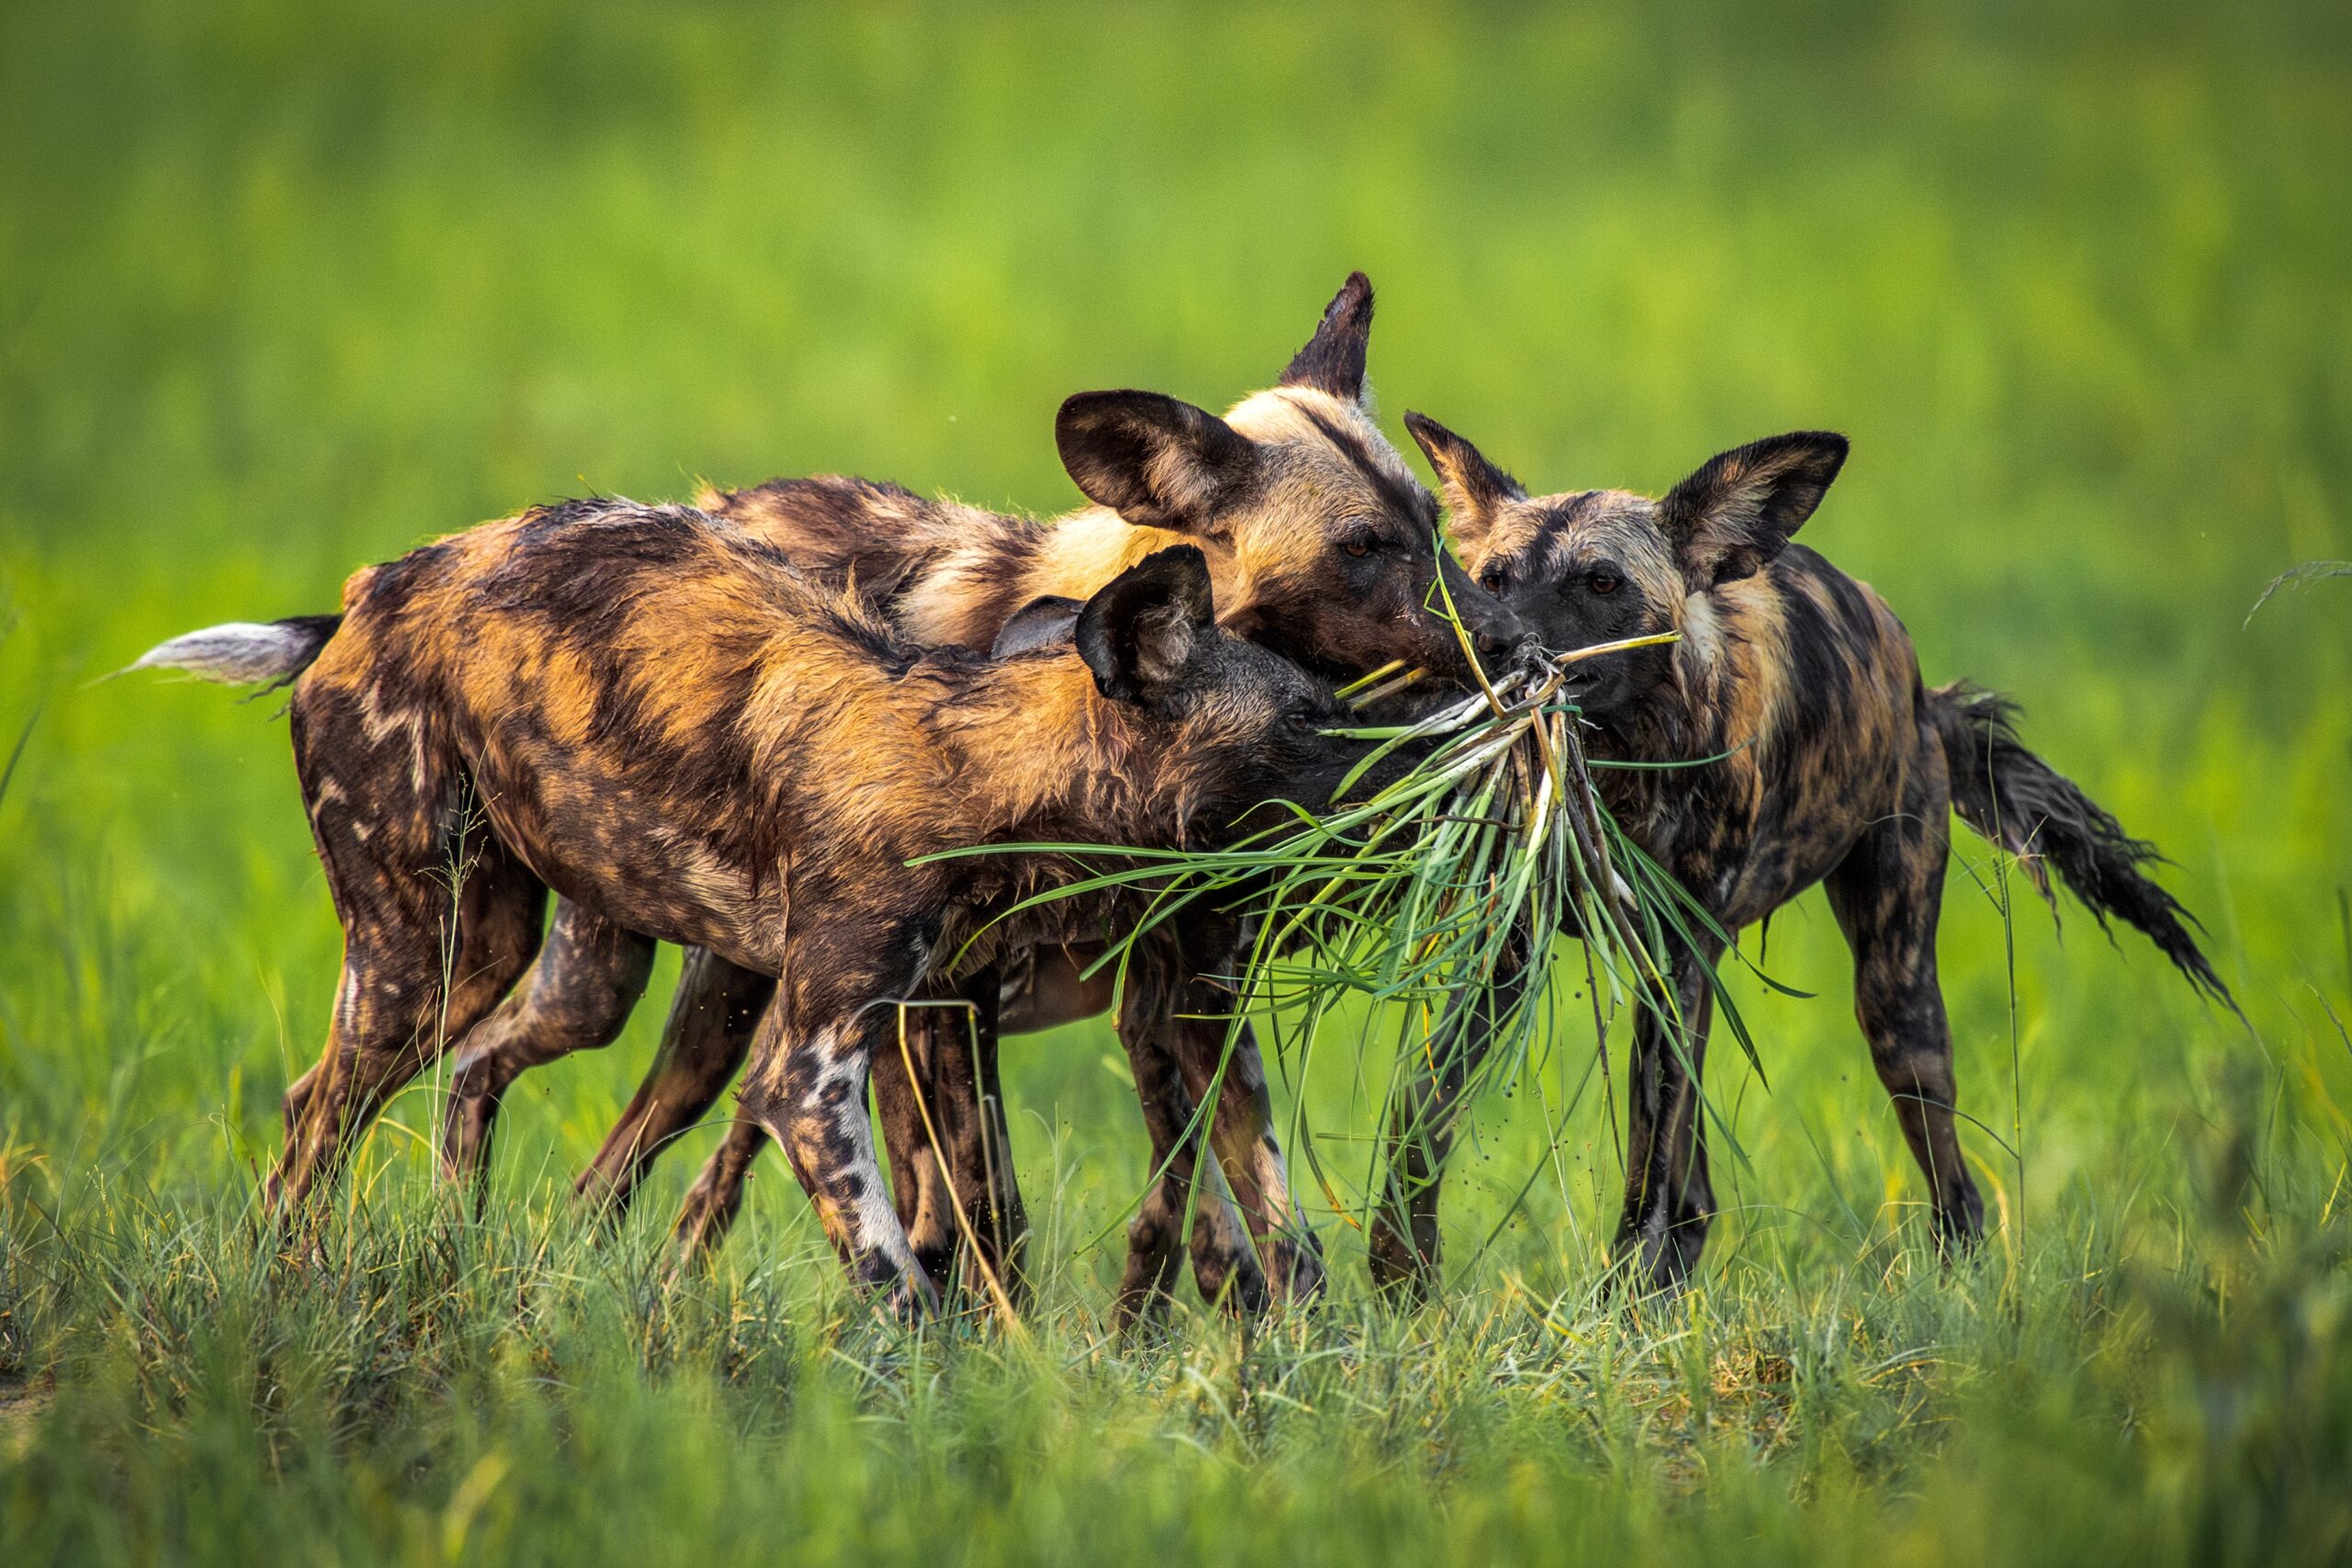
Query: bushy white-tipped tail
(245, 653)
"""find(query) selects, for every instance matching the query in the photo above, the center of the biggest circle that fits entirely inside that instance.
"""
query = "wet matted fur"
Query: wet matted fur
(1817, 755)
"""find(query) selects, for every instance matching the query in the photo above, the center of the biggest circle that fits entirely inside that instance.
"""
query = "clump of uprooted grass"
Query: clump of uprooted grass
(1433, 904)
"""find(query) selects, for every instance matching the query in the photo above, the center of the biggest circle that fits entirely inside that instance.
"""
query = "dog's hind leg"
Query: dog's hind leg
(712, 1018)
(1886, 895)
(498, 932)
(440, 921)
(577, 996)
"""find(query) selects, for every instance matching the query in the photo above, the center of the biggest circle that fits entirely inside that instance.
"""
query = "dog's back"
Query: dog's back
(957, 570)
(640, 701)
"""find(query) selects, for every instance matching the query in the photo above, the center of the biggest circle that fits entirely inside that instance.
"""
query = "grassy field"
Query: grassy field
(286, 289)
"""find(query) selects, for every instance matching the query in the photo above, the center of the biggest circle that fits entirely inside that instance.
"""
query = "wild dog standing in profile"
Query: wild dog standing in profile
(1815, 754)
(657, 716)
(1323, 546)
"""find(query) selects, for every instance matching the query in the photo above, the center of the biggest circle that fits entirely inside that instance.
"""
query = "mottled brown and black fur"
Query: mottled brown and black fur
(656, 717)
(1815, 754)
(1322, 547)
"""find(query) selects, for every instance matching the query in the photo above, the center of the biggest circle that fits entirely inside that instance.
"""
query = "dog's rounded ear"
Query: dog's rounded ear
(1138, 633)
(1046, 621)
(1475, 491)
(1157, 461)
(1728, 520)
(1333, 359)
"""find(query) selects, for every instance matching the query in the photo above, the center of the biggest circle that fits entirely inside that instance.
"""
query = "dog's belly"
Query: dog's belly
(1809, 816)
(1776, 871)
(604, 847)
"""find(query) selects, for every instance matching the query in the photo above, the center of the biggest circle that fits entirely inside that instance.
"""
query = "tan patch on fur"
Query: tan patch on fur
(1752, 669)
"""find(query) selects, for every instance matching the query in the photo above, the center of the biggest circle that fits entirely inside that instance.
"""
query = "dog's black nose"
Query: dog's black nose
(1523, 652)
(1500, 645)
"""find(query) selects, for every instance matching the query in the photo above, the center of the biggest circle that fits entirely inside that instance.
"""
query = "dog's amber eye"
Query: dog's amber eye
(1601, 583)
(1492, 580)
(1357, 545)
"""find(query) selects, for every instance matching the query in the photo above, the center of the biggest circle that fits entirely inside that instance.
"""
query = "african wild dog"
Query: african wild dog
(1817, 755)
(658, 716)
(1323, 547)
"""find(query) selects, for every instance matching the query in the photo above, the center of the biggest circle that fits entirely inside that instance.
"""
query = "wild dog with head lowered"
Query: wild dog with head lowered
(1812, 752)
(657, 716)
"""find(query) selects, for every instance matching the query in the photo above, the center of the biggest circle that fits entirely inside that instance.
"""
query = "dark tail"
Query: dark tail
(245, 653)
(2021, 803)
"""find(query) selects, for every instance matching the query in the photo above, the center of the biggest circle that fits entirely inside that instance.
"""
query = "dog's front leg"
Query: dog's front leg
(807, 1087)
(1669, 1201)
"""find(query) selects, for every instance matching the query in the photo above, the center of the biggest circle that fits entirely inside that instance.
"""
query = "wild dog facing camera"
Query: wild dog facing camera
(1791, 743)
(1591, 567)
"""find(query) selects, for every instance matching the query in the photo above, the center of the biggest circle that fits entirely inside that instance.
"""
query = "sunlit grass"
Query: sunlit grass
(287, 291)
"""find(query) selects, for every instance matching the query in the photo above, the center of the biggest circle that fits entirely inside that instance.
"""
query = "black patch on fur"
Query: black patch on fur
(1825, 658)
(390, 585)
(842, 508)
(582, 569)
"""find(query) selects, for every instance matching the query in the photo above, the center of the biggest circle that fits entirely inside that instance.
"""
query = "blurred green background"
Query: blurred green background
(286, 289)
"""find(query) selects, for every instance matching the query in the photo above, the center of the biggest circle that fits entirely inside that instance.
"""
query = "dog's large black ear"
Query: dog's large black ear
(1139, 630)
(1475, 491)
(1728, 520)
(1157, 461)
(1332, 360)
(1045, 621)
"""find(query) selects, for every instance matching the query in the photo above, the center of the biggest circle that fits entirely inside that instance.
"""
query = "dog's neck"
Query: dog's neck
(1037, 753)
